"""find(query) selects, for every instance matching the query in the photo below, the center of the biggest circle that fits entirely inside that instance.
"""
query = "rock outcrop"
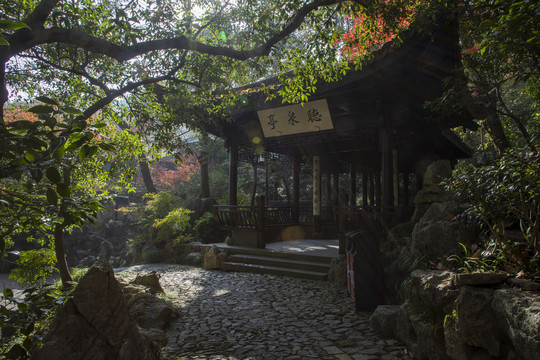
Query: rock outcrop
(95, 323)
(214, 258)
(443, 319)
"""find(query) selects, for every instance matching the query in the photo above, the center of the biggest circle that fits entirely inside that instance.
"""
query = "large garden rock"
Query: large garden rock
(150, 311)
(149, 280)
(432, 290)
(475, 321)
(440, 211)
(385, 319)
(441, 238)
(214, 258)
(432, 191)
(518, 313)
(94, 323)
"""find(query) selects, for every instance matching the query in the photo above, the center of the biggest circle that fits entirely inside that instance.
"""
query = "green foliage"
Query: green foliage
(208, 230)
(23, 322)
(505, 194)
(160, 204)
(173, 226)
(34, 266)
(490, 259)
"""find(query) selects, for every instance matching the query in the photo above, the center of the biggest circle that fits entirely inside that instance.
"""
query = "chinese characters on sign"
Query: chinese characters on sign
(295, 119)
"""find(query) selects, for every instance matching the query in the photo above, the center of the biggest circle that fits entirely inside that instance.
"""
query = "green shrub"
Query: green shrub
(173, 226)
(160, 204)
(34, 266)
(208, 230)
(505, 195)
(23, 322)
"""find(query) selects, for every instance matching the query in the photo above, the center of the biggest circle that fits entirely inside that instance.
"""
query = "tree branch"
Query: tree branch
(124, 53)
(40, 14)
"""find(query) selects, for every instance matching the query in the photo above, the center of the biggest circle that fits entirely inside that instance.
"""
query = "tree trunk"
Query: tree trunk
(147, 177)
(493, 125)
(65, 276)
(203, 163)
(3, 92)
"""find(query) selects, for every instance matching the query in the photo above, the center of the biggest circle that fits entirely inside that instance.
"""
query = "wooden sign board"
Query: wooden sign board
(296, 119)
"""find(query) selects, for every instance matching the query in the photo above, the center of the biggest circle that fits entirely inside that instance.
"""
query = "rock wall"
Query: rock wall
(444, 319)
(446, 315)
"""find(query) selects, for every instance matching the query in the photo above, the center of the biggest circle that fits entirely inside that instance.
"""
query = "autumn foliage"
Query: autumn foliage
(371, 28)
(166, 173)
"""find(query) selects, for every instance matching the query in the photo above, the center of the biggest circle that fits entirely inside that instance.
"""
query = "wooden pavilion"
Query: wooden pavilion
(372, 125)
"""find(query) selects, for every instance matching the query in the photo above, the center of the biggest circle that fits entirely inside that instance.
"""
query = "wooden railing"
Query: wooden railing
(238, 217)
(234, 217)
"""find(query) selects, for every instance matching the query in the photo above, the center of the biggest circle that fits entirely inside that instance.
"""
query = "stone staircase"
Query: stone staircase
(263, 261)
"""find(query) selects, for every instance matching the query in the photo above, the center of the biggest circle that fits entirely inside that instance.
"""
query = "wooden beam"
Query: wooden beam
(352, 187)
(365, 189)
(316, 185)
(395, 172)
(296, 189)
(233, 174)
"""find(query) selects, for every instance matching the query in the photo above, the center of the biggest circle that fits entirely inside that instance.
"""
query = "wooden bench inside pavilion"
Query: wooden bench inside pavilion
(365, 140)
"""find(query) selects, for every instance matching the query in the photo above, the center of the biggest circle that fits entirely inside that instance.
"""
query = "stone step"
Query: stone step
(239, 250)
(280, 262)
(265, 269)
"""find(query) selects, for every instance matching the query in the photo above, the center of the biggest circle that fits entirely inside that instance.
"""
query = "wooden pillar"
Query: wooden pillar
(233, 174)
(260, 217)
(395, 171)
(372, 189)
(335, 187)
(296, 190)
(352, 187)
(317, 193)
(387, 187)
(365, 189)
(328, 194)
(266, 180)
(378, 190)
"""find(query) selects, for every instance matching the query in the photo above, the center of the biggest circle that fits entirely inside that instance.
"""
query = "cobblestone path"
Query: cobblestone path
(250, 316)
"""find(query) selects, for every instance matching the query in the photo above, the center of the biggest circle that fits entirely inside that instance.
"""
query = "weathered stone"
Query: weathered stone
(213, 259)
(432, 191)
(478, 279)
(430, 335)
(475, 320)
(441, 211)
(441, 238)
(436, 172)
(404, 329)
(157, 337)
(94, 323)
(131, 290)
(385, 319)
(424, 338)
(149, 280)
(525, 284)
(455, 348)
(432, 290)
(338, 271)
(150, 311)
(518, 313)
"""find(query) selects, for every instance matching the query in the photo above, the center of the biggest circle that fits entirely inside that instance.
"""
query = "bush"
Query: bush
(173, 226)
(504, 196)
(34, 266)
(208, 230)
(23, 322)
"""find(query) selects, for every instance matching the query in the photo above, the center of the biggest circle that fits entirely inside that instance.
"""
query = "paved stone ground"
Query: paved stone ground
(250, 316)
